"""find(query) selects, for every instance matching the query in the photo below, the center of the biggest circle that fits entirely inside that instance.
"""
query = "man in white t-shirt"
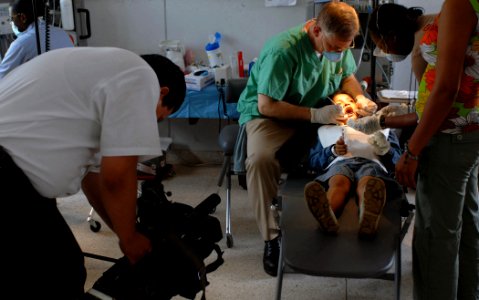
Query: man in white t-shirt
(56, 113)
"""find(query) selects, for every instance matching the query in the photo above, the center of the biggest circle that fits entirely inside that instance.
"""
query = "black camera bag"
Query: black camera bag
(182, 236)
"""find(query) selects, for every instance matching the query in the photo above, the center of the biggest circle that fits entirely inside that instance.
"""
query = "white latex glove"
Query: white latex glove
(327, 114)
(366, 107)
(394, 110)
(379, 142)
(368, 125)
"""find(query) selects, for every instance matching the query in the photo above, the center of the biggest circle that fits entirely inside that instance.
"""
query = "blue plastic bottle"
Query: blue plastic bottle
(215, 56)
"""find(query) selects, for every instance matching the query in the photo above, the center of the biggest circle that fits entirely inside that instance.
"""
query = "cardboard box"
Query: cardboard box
(199, 79)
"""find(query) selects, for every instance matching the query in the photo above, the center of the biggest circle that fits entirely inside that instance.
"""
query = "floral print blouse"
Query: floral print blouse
(464, 113)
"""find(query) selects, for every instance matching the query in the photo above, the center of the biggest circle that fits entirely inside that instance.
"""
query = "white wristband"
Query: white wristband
(333, 151)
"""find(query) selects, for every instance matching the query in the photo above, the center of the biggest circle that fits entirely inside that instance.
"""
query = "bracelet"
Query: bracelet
(334, 151)
(408, 153)
(382, 121)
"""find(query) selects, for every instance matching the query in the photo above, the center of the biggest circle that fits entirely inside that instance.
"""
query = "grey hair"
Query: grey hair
(338, 19)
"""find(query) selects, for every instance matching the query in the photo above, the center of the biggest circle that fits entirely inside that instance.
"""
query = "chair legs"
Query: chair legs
(226, 173)
(95, 226)
(279, 281)
(229, 235)
(397, 273)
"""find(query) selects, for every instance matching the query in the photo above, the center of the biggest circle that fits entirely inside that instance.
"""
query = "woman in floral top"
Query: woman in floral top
(446, 237)
(443, 151)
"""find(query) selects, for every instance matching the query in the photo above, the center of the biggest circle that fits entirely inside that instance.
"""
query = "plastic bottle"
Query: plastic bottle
(175, 51)
(66, 8)
(234, 66)
(215, 56)
(240, 64)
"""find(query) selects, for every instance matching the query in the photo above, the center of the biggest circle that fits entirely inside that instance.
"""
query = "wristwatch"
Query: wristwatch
(382, 121)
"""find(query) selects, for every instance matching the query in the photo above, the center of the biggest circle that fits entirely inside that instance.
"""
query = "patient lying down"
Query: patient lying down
(350, 162)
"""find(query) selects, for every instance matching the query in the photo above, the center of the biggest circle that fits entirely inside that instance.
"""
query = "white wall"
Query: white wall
(402, 70)
(140, 25)
(136, 25)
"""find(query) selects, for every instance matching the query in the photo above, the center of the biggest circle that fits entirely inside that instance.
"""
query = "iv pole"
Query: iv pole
(37, 31)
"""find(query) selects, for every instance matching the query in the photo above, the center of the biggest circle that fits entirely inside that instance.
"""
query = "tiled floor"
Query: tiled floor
(241, 276)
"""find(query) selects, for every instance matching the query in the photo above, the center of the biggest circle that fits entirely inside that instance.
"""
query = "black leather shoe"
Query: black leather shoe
(271, 256)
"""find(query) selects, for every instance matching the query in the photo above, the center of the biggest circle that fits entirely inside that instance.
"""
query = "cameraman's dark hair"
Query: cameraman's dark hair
(396, 20)
(169, 75)
(26, 7)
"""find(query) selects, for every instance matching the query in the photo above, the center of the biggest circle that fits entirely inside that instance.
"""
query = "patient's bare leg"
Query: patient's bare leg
(320, 205)
(339, 186)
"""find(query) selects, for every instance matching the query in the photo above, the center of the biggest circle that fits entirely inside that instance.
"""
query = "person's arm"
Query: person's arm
(282, 110)
(320, 157)
(114, 196)
(15, 56)
(351, 86)
(401, 121)
(456, 24)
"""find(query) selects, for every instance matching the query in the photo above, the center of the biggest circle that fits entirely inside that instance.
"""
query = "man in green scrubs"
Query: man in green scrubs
(289, 87)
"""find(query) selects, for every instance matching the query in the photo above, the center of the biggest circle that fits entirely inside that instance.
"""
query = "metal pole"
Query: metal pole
(37, 32)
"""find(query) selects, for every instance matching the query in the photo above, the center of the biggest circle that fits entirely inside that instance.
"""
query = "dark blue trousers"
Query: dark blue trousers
(41, 257)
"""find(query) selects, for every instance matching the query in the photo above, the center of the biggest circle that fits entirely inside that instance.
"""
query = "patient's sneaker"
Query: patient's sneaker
(372, 204)
(319, 206)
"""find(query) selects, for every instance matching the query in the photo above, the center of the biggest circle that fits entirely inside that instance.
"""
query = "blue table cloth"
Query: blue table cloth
(206, 104)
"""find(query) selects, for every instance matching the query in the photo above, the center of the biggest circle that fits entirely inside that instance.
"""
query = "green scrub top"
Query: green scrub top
(288, 69)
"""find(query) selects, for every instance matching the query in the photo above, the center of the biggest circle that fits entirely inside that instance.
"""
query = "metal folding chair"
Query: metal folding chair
(306, 250)
(227, 141)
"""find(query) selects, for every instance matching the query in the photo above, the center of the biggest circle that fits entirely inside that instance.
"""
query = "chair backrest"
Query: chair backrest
(234, 88)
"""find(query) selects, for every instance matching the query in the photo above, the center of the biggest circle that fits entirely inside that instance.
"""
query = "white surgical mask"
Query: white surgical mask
(378, 52)
(15, 29)
(333, 56)
(395, 57)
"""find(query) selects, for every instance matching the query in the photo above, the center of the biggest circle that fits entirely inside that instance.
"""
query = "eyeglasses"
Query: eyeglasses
(336, 48)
